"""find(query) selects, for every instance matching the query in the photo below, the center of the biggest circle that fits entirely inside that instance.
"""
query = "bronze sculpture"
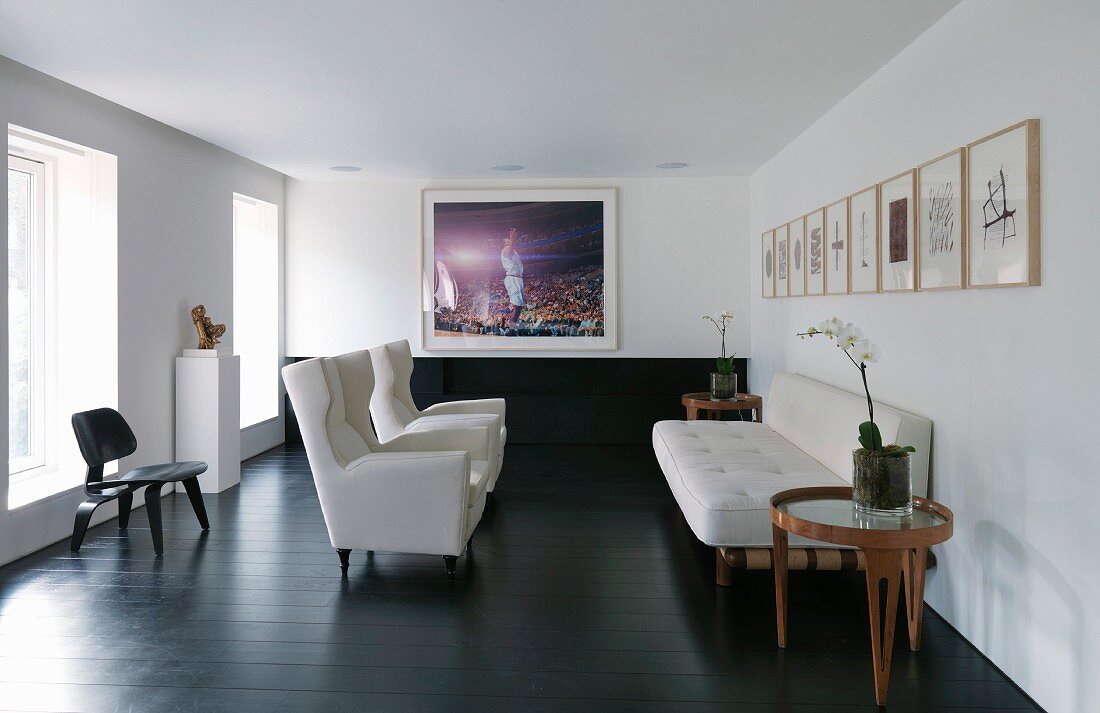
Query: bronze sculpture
(209, 333)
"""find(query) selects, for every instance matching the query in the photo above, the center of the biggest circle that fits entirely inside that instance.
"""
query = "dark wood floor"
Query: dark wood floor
(585, 592)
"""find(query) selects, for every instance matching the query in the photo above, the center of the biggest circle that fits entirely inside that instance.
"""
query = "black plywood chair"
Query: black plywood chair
(103, 436)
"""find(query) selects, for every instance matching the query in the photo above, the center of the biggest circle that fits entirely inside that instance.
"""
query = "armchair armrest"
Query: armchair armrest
(492, 406)
(474, 440)
(404, 502)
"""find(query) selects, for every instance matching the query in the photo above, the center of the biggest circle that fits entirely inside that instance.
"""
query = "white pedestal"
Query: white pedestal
(208, 418)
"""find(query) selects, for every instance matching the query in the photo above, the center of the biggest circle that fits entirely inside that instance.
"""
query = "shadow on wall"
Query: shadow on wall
(1004, 557)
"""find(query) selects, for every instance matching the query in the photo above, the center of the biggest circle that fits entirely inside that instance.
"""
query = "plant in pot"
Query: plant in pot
(723, 382)
(882, 483)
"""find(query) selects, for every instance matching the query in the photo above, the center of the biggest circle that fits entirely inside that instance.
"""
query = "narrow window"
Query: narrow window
(256, 306)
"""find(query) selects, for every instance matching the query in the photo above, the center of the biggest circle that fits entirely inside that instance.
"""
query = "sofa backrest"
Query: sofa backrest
(823, 421)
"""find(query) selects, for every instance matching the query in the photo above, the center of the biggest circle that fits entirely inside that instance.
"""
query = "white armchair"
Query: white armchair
(394, 411)
(421, 492)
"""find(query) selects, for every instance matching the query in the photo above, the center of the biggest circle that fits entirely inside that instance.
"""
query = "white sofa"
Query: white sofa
(418, 493)
(394, 411)
(724, 473)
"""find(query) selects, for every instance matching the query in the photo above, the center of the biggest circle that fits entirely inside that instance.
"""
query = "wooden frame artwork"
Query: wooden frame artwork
(815, 251)
(941, 222)
(796, 257)
(863, 229)
(1003, 235)
(898, 259)
(767, 264)
(782, 267)
(837, 240)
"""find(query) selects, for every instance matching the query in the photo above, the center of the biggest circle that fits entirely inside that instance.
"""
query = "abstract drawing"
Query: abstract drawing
(1000, 222)
(798, 254)
(816, 262)
(866, 242)
(899, 230)
(768, 262)
(781, 261)
(837, 245)
(941, 219)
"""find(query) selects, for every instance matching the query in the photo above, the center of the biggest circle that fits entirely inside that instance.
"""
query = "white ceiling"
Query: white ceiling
(447, 88)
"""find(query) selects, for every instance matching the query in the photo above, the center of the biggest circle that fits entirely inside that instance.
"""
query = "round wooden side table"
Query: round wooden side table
(701, 401)
(895, 548)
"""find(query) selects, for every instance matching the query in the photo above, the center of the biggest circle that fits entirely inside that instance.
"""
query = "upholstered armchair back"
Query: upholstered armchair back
(392, 403)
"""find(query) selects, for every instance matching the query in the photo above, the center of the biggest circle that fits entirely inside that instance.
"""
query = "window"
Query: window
(26, 314)
(256, 306)
(62, 297)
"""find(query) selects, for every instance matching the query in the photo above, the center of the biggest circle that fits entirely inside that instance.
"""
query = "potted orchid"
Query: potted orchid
(881, 480)
(723, 382)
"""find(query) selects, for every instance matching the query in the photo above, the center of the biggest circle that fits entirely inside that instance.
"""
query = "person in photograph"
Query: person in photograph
(513, 275)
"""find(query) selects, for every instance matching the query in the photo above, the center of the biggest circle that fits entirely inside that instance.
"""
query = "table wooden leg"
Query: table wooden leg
(692, 413)
(759, 414)
(779, 565)
(915, 565)
(883, 565)
(715, 415)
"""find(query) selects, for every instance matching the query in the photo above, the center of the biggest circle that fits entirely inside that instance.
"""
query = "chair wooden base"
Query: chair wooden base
(85, 510)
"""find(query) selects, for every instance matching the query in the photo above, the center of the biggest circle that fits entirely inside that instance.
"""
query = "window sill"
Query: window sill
(30, 488)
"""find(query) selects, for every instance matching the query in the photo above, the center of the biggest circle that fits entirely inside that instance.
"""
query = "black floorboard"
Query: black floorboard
(586, 591)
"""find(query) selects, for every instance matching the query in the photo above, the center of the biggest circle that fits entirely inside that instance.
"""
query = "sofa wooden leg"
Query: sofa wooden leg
(451, 562)
(345, 561)
(723, 573)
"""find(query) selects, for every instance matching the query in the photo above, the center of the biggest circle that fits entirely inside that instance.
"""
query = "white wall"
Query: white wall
(353, 263)
(175, 249)
(1008, 376)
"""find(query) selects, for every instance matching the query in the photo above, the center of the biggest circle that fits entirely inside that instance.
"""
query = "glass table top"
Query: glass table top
(839, 512)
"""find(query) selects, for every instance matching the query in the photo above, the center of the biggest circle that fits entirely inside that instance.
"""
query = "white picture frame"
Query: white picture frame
(864, 243)
(836, 248)
(941, 222)
(897, 229)
(444, 323)
(815, 252)
(1003, 226)
(796, 257)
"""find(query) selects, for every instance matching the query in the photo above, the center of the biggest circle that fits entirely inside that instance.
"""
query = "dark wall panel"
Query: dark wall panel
(565, 400)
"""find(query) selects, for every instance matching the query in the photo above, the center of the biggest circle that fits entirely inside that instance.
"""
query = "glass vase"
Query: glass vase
(723, 387)
(881, 485)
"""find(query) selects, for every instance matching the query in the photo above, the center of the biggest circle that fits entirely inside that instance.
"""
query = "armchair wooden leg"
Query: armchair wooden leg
(80, 524)
(125, 502)
(194, 494)
(345, 561)
(451, 562)
(152, 510)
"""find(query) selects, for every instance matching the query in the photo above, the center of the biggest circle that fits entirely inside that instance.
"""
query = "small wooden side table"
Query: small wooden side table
(701, 401)
(895, 548)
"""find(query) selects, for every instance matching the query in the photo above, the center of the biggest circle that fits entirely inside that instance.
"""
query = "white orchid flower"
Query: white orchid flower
(866, 352)
(848, 335)
(830, 327)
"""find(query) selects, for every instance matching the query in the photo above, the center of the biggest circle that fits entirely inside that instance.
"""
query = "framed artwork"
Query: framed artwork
(519, 269)
(1003, 207)
(941, 244)
(863, 228)
(767, 264)
(815, 252)
(796, 257)
(897, 255)
(836, 248)
(782, 255)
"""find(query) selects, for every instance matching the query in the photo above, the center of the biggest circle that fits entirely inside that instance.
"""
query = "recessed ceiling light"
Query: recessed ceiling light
(507, 167)
(674, 164)
(345, 169)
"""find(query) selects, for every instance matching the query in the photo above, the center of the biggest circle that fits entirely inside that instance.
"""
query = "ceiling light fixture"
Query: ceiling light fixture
(345, 169)
(507, 167)
(674, 164)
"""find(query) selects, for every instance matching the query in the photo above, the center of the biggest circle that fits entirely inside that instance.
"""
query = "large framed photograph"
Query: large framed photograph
(1003, 207)
(836, 248)
(815, 252)
(519, 269)
(767, 264)
(782, 257)
(863, 221)
(796, 257)
(897, 213)
(941, 244)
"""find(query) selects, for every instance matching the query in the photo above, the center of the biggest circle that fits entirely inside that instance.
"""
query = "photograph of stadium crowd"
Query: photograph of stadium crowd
(519, 269)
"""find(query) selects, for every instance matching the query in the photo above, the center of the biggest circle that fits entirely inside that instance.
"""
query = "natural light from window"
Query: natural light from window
(256, 306)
